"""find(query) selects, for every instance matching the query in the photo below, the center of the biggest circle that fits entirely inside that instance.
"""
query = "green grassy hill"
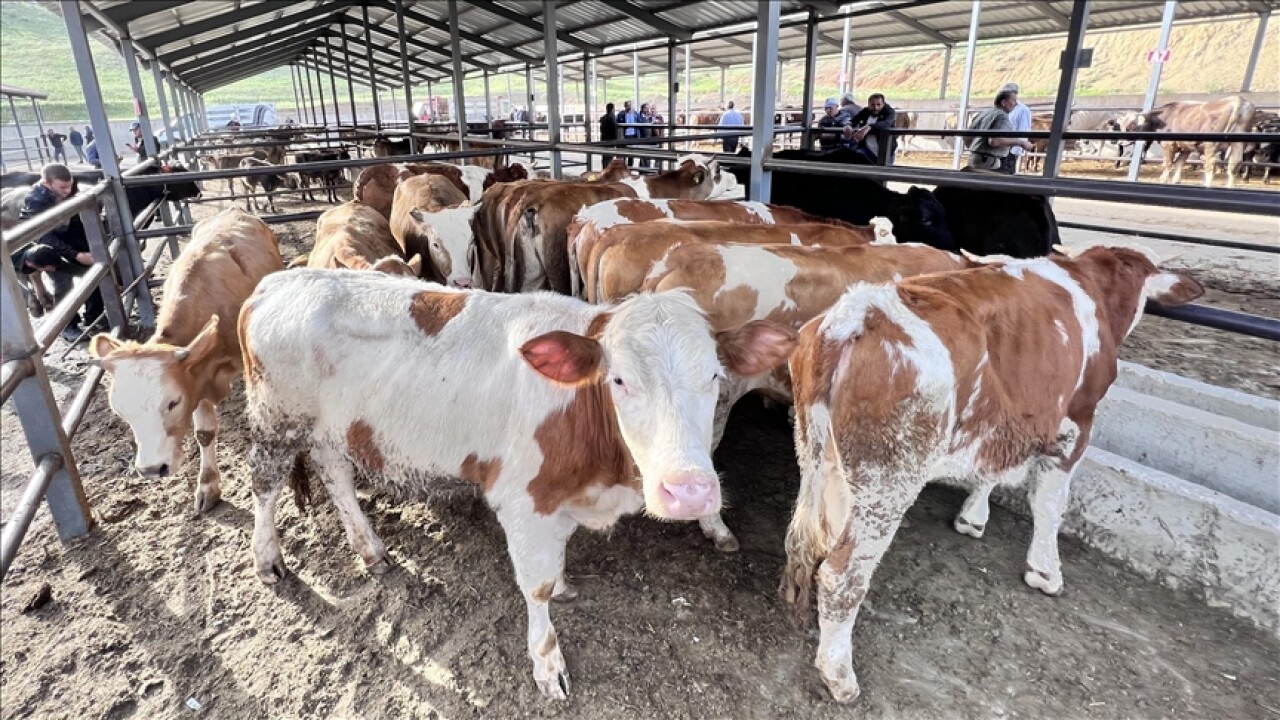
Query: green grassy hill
(1207, 58)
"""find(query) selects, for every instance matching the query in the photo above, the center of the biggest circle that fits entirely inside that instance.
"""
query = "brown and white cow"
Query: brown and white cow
(585, 229)
(1232, 114)
(987, 377)
(696, 177)
(376, 185)
(624, 256)
(576, 415)
(355, 236)
(178, 377)
(416, 197)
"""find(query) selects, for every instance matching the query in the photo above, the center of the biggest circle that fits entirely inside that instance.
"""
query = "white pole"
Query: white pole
(962, 114)
(1153, 85)
(844, 57)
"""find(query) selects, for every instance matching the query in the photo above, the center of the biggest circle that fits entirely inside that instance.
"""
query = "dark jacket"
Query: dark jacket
(88, 134)
(66, 241)
(55, 139)
(608, 127)
(884, 120)
(76, 138)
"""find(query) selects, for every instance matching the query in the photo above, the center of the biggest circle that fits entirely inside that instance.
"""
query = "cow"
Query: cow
(1034, 160)
(386, 147)
(269, 184)
(329, 179)
(906, 120)
(983, 222)
(1268, 152)
(624, 255)
(696, 177)
(356, 236)
(787, 284)
(178, 377)
(376, 187)
(418, 197)
(588, 413)
(231, 160)
(587, 225)
(989, 376)
(1232, 114)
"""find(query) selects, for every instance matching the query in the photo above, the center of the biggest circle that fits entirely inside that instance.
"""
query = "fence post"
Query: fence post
(108, 287)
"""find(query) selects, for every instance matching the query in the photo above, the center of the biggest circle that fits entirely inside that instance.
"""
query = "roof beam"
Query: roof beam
(1051, 12)
(468, 36)
(823, 7)
(392, 64)
(415, 42)
(324, 16)
(253, 66)
(666, 27)
(310, 32)
(920, 27)
(126, 13)
(220, 21)
(563, 36)
(316, 62)
(289, 50)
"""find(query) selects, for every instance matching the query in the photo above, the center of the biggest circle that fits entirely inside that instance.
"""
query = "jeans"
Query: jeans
(80, 152)
(60, 152)
(731, 145)
(63, 280)
(1009, 164)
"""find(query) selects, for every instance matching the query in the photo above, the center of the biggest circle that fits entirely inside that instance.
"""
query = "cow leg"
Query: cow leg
(715, 530)
(209, 486)
(339, 479)
(1049, 494)
(972, 520)
(1179, 162)
(269, 466)
(1235, 156)
(1168, 166)
(41, 292)
(536, 544)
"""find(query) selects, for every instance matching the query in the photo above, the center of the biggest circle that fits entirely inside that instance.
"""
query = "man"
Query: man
(629, 116)
(77, 141)
(88, 134)
(988, 153)
(731, 118)
(55, 142)
(860, 133)
(831, 125)
(646, 118)
(848, 106)
(1020, 119)
(608, 130)
(68, 241)
(138, 145)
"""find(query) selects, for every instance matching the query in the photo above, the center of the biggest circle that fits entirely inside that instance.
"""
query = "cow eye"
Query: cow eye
(618, 381)
(174, 403)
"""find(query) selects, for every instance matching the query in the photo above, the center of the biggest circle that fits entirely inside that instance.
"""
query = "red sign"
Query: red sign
(1158, 56)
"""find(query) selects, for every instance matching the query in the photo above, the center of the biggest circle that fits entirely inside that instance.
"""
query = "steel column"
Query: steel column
(962, 114)
(459, 92)
(38, 412)
(673, 78)
(293, 79)
(139, 98)
(404, 72)
(202, 117)
(373, 72)
(164, 105)
(324, 111)
(853, 70)
(844, 56)
(1066, 85)
(588, 98)
(311, 95)
(810, 78)
(553, 82)
(1258, 38)
(635, 80)
(13, 110)
(333, 84)
(1153, 85)
(946, 71)
(488, 102)
(722, 69)
(763, 100)
(179, 118)
(688, 83)
(42, 137)
(351, 86)
(79, 37)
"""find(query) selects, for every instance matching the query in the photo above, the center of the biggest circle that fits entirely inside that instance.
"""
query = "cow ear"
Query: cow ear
(699, 175)
(756, 348)
(565, 358)
(420, 215)
(102, 345)
(415, 264)
(199, 348)
(1168, 288)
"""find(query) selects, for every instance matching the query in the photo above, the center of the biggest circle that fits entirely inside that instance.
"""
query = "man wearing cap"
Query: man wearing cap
(832, 122)
(848, 106)
(1020, 119)
(137, 145)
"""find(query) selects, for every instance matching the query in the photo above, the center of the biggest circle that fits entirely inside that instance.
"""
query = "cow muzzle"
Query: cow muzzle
(689, 495)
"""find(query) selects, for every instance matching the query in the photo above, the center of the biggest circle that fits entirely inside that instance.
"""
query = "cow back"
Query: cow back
(376, 187)
(355, 230)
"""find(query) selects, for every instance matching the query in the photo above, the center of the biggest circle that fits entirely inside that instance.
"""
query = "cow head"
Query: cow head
(179, 190)
(154, 389)
(920, 218)
(452, 243)
(1127, 276)
(705, 175)
(658, 366)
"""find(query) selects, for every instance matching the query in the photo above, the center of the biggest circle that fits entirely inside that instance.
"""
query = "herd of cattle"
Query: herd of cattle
(576, 347)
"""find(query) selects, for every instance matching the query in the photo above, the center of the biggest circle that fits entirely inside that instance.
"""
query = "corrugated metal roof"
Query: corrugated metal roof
(210, 43)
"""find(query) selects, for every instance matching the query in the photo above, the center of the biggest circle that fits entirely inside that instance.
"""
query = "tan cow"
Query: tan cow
(984, 377)
(414, 197)
(626, 255)
(1228, 115)
(354, 235)
(178, 377)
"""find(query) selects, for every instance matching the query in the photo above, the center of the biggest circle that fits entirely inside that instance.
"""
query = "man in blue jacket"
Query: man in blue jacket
(629, 116)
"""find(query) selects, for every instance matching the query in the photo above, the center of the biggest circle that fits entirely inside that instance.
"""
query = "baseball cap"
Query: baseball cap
(135, 125)
(1010, 87)
(831, 102)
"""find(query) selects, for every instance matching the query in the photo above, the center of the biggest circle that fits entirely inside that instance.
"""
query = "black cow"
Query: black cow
(329, 179)
(982, 222)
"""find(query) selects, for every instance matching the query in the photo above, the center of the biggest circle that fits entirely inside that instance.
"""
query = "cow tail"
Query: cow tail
(807, 542)
(300, 261)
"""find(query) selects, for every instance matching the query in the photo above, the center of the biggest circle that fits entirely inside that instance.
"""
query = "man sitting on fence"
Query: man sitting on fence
(68, 241)
(861, 135)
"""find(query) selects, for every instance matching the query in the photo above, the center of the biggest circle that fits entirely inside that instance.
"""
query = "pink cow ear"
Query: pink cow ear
(756, 348)
(565, 358)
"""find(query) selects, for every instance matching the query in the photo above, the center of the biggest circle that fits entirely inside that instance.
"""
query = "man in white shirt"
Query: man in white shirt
(1020, 119)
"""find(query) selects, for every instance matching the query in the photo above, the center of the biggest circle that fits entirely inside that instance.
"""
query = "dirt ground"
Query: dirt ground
(158, 608)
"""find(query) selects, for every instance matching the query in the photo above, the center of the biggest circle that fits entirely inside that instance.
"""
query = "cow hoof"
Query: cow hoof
(271, 571)
(379, 566)
(1043, 581)
(207, 498)
(728, 544)
(555, 687)
(567, 593)
(843, 688)
(965, 528)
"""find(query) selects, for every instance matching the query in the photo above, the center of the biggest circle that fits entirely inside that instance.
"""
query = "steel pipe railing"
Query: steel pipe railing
(34, 228)
(12, 373)
(21, 516)
(1229, 320)
(1133, 232)
(268, 219)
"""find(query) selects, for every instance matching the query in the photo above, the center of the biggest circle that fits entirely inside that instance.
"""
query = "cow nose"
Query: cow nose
(161, 470)
(462, 282)
(690, 495)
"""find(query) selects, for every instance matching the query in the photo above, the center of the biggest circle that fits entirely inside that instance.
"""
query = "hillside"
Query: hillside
(1207, 58)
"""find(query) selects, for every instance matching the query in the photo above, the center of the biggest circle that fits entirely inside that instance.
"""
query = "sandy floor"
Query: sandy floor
(157, 606)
